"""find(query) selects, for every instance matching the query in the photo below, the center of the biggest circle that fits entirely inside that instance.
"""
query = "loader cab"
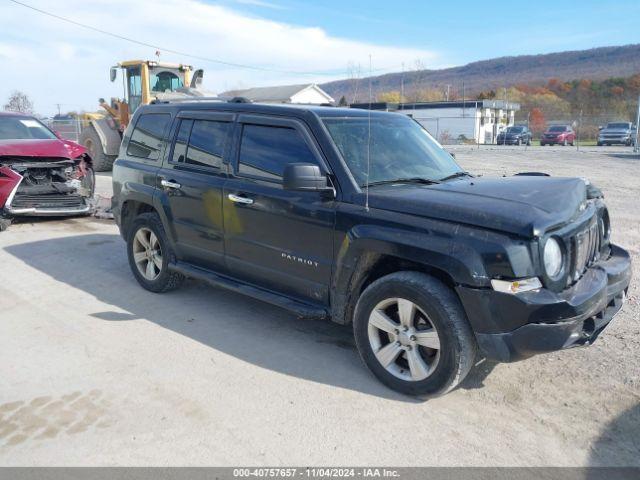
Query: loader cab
(145, 80)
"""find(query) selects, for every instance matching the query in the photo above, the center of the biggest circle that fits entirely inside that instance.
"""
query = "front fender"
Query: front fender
(467, 255)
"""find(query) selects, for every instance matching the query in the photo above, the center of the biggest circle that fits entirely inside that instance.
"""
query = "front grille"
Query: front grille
(47, 201)
(586, 247)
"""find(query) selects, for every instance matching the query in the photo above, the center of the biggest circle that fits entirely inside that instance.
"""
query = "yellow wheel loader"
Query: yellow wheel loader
(143, 81)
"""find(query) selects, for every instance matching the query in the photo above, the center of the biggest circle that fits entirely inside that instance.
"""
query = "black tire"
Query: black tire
(4, 223)
(90, 139)
(542, 144)
(166, 280)
(445, 312)
(529, 143)
(599, 144)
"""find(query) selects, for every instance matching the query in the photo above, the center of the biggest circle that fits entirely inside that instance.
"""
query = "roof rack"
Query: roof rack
(203, 99)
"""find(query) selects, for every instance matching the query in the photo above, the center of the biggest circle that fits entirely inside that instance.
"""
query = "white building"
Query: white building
(309, 93)
(449, 122)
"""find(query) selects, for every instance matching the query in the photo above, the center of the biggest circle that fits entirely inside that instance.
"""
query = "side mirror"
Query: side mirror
(113, 72)
(305, 177)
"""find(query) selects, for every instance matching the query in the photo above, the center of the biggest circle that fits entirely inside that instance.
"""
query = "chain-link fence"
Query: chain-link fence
(67, 128)
(474, 128)
(485, 123)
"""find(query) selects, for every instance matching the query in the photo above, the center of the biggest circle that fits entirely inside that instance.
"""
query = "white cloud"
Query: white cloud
(56, 62)
(260, 3)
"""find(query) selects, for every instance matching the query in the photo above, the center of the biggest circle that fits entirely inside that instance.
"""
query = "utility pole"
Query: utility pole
(526, 145)
(636, 147)
(402, 85)
(448, 88)
(463, 104)
(58, 105)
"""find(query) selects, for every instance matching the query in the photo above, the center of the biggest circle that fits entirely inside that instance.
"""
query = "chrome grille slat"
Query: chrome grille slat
(586, 248)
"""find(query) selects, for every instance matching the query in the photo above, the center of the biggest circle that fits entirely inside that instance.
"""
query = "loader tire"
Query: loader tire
(91, 141)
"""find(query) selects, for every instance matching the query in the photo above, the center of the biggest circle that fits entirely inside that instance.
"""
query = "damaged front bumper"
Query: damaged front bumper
(25, 197)
(545, 321)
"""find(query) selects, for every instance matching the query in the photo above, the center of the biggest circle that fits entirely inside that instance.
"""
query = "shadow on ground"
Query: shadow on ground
(618, 441)
(245, 328)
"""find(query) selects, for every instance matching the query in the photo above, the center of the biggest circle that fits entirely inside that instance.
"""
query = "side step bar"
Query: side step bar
(301, 309)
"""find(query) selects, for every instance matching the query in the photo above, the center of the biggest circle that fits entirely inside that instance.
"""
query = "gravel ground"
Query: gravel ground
(97, 371)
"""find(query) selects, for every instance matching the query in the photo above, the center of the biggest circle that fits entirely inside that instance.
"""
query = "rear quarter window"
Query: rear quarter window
(147, 135)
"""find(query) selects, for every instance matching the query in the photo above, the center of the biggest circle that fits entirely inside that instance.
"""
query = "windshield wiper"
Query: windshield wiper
(424, 181)
(455, 175)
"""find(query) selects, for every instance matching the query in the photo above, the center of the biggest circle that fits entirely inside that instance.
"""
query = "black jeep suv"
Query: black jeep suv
(363, 218)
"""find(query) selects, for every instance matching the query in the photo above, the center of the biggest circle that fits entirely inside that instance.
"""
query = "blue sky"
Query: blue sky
(290, 41)
(465, 31)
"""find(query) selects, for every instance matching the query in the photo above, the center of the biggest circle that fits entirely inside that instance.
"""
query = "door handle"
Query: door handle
(169, 184)
(239, 199)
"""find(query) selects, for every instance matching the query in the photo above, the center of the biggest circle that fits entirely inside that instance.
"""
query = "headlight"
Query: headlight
(552, 258)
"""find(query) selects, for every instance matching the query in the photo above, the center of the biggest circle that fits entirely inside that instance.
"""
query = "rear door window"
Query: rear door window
(266, 150)
(200, 143)
(146, 138)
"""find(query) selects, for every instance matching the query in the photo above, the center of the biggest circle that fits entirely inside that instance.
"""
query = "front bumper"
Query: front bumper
(508, 141)
(514, 327)
(618, 139)
(47, 212)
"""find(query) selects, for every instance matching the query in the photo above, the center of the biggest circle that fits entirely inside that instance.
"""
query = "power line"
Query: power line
(175, 52)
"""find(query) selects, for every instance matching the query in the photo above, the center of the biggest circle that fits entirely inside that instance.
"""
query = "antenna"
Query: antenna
(366, 202)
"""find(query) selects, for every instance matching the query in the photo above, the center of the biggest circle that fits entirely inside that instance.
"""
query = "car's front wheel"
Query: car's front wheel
(150, 253)
(413, 334)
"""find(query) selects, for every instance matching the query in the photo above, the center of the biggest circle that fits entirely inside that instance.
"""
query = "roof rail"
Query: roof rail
(188, 99)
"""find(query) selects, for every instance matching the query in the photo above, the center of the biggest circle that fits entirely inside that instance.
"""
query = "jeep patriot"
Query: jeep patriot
(361, 217)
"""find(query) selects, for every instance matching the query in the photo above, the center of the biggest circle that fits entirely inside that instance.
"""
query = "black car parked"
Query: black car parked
(518, 135)
(363, 218)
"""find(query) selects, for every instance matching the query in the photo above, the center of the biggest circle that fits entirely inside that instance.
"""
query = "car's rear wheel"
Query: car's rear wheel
(412, 333)
(150, 253)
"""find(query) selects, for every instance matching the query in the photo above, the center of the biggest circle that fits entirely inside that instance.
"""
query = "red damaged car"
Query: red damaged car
(40, 173)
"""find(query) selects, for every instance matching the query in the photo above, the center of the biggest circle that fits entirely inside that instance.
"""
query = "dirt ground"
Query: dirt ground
(97, 371)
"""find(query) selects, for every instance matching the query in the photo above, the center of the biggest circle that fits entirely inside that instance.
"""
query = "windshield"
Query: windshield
(558, 128)
(400, 149)
(618, 125)
(164, 80)
(23, 128)
(514, 130)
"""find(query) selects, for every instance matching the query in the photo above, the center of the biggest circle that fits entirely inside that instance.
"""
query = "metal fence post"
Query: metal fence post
(578, 132)
(636, 147)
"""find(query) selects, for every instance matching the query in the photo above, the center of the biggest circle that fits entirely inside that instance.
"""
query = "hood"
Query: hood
(615, 130)
(525, 206)
(50, 148)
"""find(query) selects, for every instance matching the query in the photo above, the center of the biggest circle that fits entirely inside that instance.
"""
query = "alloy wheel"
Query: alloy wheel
(403, 339)
(147, 253)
